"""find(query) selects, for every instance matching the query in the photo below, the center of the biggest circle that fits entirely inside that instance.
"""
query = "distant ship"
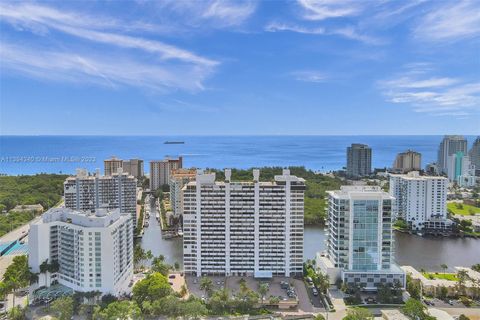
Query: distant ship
(174, 142)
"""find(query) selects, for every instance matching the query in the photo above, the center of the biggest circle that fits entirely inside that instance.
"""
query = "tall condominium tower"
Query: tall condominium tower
(360, 240)
(420, 200)
(133, 167)
(359, 160)
(160, 171)
(111, 165)
(474, 155)
(89, 192)
(461, 170)
(407, 161)
(243, 228)
(178, 179)
(449, 146)
(94, 250)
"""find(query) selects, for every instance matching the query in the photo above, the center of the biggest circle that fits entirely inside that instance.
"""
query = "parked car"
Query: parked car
(284, 285)
(309, 280)
(315, 291)
(172, 276)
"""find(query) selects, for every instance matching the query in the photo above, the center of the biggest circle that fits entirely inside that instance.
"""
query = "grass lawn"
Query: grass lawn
(440, 275)
(465, 211)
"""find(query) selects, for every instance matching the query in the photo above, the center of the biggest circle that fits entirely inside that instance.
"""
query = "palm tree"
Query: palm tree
(44, 271)
(263, 290)
(206, 285)
(12, 284)
(462, 279)
(444, 267)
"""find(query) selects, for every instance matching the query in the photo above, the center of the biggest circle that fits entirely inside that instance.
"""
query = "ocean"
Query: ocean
(63, 154)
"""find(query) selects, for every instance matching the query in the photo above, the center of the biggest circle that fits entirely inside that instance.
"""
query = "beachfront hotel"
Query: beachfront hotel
(407, 161)
(248, 228)
(360, 240)
(160, 171)
(94, 249)
(420, 200)
(89, 192)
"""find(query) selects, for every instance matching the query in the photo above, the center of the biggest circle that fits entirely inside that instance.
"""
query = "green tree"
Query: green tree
(219, 302)
(154, 286)
(16, 313)
(17, 275)
(319, 317)
(119, 310)
(206, 284)
(415, 310)
(159, 265)
(444, 267)
(358, 314)
(263, 290)
(476, 267)
(463, 277)
(62, 308)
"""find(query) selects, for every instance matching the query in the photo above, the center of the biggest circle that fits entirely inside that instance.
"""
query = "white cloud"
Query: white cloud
(103, 70)
(432, 94)
(451, 22)
(215, 13)
(346, 32)
(310, 76)
(325, 9)
(153, 64)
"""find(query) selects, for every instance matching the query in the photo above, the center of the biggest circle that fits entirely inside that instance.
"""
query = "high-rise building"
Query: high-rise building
(460, 170)
(89, 192)
(111, 165)
(94, 249)
(360, 239)
(160, 171)
(133, 167)
(474, 155)
(178, 179)
(407, 161)
(243, 228)
(359, 160)
(420, 200)
(450, 145)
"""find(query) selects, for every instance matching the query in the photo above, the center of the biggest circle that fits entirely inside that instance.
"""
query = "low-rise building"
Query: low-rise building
(433, 287)
(93, 249)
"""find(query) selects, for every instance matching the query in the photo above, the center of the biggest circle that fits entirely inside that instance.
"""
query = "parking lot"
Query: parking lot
(305, 302)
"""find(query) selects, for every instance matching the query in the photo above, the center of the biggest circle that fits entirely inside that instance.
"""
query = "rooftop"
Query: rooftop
(91, 219)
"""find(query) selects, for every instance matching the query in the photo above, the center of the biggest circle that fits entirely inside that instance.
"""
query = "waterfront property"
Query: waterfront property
(359, 160)
(178, 179)
(360, 239)
(421, 201)
(89, 192)
(450, 145)
(447, 285)
(407, 161)
(243, 228)
(160, 171)
(92, 251)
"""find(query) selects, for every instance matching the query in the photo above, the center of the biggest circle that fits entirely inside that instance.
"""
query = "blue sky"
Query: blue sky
(250, 67)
